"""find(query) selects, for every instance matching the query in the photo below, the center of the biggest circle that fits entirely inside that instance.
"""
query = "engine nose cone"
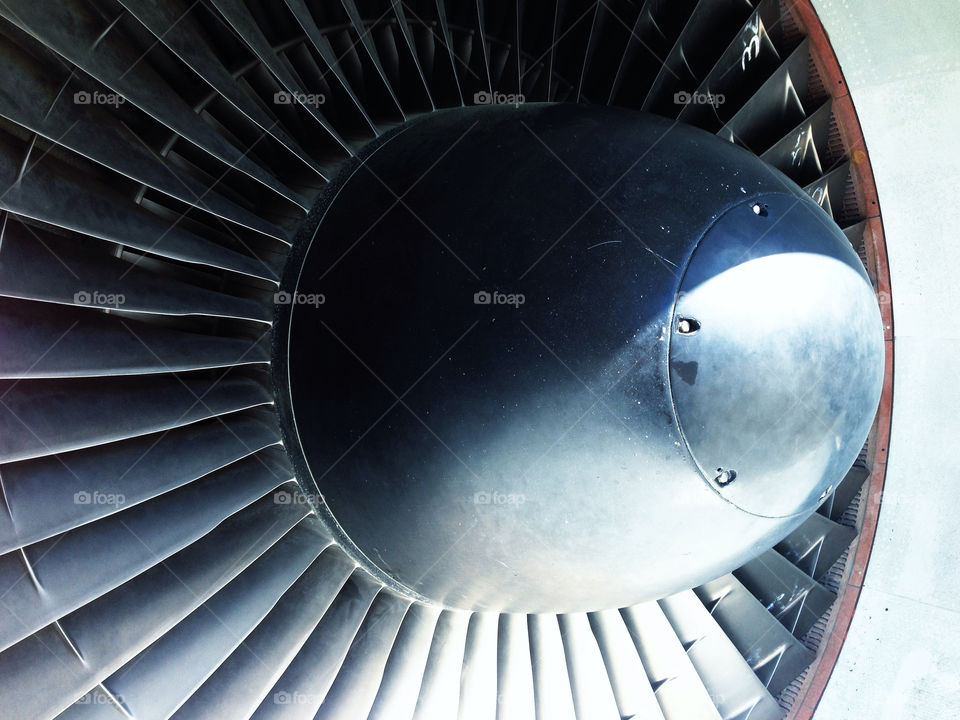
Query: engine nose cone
(774, 360)
(521, 340)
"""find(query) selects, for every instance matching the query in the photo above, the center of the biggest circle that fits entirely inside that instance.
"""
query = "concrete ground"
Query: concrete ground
(901, 659)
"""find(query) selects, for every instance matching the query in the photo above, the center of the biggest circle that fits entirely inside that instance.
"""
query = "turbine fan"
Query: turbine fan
(157, 163)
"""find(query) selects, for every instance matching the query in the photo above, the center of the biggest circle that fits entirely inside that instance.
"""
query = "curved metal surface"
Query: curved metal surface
(810, 692)
(503, 394)
(191, 245)
(782, 378)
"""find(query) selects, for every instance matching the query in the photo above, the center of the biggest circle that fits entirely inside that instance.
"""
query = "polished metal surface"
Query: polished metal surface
(157, 555)
(779, 385)
(514, 415)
